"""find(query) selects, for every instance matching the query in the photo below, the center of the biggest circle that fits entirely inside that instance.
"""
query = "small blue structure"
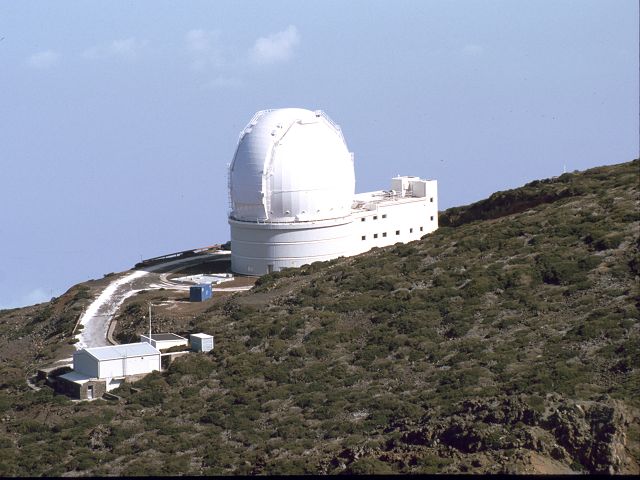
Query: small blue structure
(201, 342)
(200, 293)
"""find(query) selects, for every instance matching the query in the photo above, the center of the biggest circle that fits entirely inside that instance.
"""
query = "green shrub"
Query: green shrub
(369, 466)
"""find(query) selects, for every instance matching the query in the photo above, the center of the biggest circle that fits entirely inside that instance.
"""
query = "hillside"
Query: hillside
(507, 341)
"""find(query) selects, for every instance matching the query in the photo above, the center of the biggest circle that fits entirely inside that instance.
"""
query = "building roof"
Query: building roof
(201, 335)
(76, 377)
(367, 200)
(113, 352)
(164, 336)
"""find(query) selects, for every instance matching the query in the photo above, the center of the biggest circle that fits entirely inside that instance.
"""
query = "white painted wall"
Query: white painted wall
(259, 248)
(202, 342)
(404, 220)
(85, 364)
(121, 367)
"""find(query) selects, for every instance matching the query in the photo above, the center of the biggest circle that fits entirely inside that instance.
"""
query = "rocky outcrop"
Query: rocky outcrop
(588, 436)
(594, 433)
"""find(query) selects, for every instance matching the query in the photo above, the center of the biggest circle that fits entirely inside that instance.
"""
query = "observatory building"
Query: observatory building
(293, 200)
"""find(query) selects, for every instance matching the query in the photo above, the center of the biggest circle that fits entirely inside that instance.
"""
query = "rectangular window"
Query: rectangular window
(411, 230)
(364, 237)
(362, 219)
(375, 217)
(432, 218)
(384, 234)
(421, 228)
(397, 232)
(431, 199)
(384, 215)
(375, 235)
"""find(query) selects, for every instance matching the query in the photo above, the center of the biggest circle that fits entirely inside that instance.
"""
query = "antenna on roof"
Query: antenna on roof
(149, 322)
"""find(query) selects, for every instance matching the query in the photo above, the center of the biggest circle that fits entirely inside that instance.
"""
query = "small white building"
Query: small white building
(162, 341)
(201, 342)
(117, 360)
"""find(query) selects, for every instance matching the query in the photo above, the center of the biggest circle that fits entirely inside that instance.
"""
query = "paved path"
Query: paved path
(99, 313)
(233, 289)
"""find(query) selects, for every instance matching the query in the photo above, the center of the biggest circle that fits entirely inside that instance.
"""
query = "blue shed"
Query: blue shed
(200, 293)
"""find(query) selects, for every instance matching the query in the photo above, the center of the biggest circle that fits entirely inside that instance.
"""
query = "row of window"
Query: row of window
(375, 217)
(384, 234)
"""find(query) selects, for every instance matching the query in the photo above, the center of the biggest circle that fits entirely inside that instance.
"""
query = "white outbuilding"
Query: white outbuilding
(293, 201)
(201, 342)
(162, 341)
(117, 361)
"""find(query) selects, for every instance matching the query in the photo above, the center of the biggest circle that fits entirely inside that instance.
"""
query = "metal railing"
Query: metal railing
(320, 113)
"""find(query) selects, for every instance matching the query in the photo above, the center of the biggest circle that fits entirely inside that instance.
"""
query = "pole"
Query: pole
(149, 323)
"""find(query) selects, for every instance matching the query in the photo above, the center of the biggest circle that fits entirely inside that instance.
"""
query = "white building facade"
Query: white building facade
(293, 201)
(116, 361)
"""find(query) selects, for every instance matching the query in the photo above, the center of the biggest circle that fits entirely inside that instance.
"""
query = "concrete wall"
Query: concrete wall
(99, 389)
(81, 390)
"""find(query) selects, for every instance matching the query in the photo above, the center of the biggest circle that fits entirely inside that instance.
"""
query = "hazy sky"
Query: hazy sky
(118, 119)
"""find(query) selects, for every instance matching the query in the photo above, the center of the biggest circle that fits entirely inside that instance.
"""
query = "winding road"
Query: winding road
(100, 312)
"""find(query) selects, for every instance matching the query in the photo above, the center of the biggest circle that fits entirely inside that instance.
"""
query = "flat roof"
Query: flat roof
(201, 335)
(164, 336)
(76, 377)
(361, 200)
(113, 352)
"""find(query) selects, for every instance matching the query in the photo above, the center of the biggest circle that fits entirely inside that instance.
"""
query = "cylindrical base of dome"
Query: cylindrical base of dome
(261, 248)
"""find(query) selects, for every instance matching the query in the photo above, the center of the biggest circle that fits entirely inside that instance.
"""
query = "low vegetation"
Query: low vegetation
(509, 335)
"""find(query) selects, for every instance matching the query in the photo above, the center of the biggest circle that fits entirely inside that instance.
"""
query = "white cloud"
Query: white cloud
(275, 48)
(128, 48)
(473, 50)
(205, 49)
(46, 59)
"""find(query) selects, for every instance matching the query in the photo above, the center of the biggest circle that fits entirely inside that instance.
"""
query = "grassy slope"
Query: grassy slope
(510, 333)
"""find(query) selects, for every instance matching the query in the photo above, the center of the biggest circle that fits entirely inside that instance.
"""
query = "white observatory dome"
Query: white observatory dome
(291, 165)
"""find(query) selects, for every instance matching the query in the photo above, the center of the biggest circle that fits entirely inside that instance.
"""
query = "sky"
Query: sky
(118, 119)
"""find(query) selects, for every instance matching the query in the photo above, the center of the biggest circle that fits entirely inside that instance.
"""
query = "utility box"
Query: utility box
(200, 293)
(201, 342)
